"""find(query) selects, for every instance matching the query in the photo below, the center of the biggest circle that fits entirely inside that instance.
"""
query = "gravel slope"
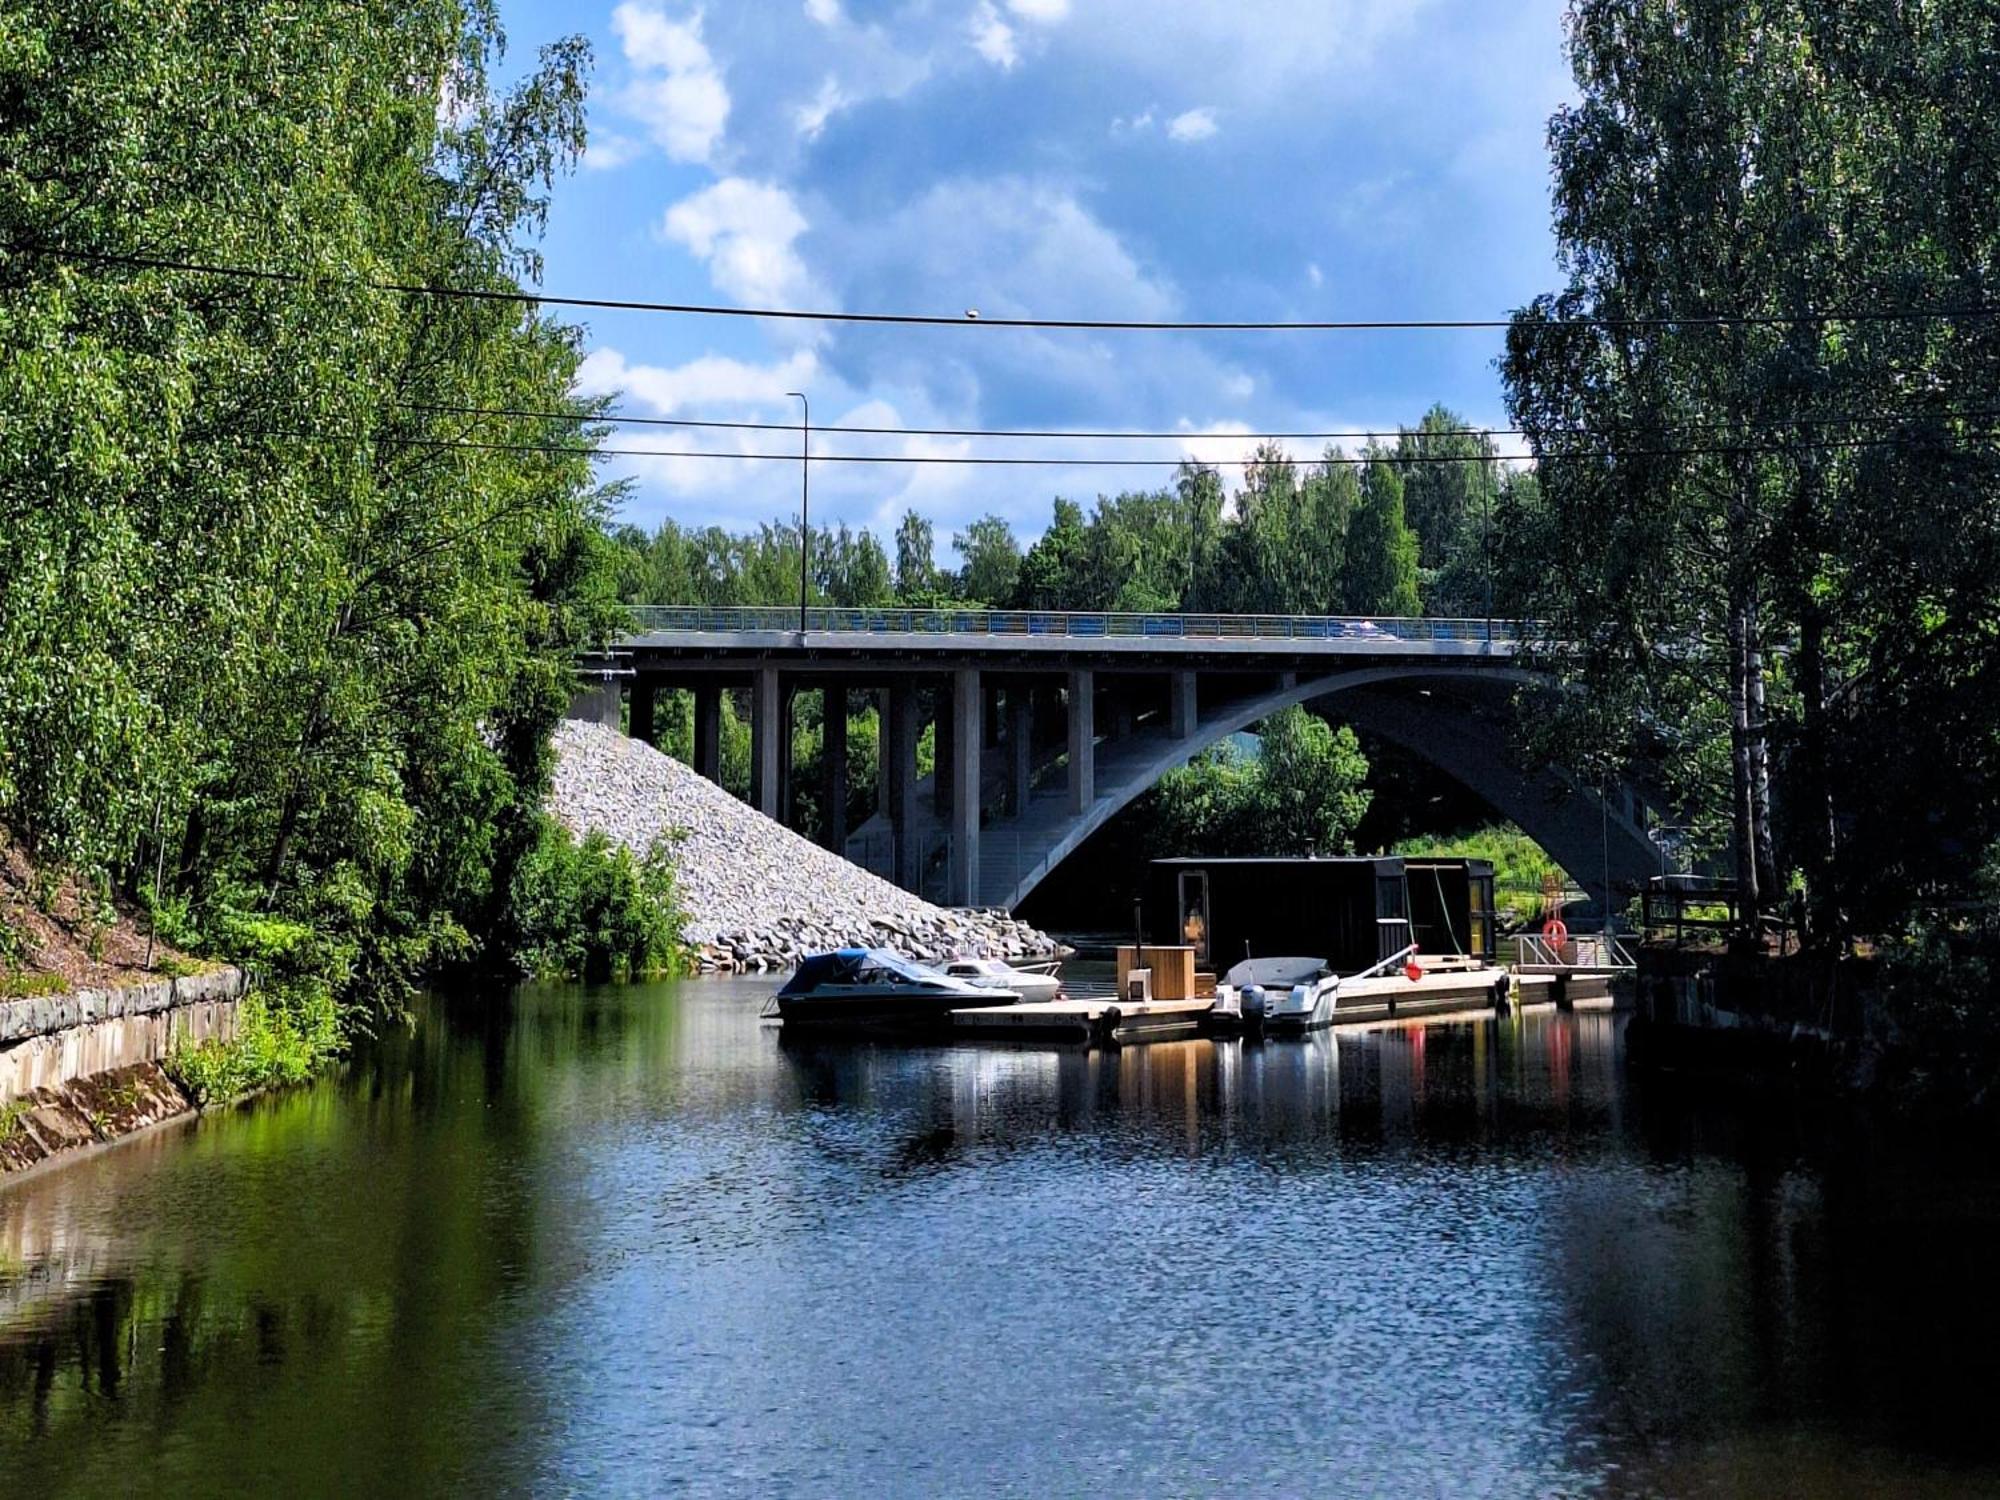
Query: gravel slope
(756, 894)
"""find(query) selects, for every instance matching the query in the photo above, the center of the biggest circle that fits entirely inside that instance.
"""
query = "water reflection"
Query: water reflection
(634, 1241)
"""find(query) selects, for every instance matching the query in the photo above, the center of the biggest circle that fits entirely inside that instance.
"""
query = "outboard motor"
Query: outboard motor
(1256, 1006)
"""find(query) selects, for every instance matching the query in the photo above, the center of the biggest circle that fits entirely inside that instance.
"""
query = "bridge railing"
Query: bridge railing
(1080, 624)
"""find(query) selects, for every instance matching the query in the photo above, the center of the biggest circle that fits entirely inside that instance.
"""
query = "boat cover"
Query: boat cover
(1277, 973)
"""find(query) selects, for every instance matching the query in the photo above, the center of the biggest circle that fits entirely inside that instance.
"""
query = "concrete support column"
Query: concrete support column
(903, 732)
(833, 719)
(1184, 710)
(883, 755)
(968, 705)
(943, 753)
(641, 725)
(1082, 740)
(785, 729)
(766, 740)
(708, 732)
(1020, 748)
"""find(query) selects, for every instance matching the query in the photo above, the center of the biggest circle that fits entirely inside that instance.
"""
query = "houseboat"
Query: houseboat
(1305, 942)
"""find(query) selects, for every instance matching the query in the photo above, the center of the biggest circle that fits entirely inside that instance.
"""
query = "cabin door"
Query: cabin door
(1194, 912)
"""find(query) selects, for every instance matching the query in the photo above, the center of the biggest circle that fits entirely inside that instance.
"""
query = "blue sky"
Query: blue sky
(1198, 159)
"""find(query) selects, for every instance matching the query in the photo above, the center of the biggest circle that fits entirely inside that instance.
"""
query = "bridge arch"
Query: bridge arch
(1591, 837)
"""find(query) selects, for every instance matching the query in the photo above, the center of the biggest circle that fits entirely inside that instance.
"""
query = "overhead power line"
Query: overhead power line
(972, 319)
(621, 420)
(599, 451)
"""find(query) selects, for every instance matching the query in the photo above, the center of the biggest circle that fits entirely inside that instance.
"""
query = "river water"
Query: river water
(624, 1241)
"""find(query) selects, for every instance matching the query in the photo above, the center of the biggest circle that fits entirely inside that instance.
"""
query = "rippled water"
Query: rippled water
(625, 1241)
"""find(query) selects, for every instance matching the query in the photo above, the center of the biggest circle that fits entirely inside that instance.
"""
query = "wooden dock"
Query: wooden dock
(1086, 1019)
(1439, 992)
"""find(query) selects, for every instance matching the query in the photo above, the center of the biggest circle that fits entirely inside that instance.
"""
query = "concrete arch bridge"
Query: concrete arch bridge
(1046, 724)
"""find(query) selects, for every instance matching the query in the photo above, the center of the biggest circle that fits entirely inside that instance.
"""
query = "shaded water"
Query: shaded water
(624, 1241)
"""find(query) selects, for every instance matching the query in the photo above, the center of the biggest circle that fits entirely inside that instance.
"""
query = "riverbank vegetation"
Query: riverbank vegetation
(1761, 405)
(277, 649)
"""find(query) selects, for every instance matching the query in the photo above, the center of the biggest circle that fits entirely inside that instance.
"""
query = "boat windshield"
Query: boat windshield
(855, 966)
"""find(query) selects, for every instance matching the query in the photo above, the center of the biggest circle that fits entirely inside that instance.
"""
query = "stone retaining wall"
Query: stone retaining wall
(52, 1040)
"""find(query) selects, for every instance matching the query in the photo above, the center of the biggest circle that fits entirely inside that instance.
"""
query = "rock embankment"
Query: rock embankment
(757, 896)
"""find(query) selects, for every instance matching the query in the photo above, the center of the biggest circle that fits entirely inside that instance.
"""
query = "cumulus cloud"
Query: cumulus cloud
(608, 150)
(824, 12)
(744, 232)
(677, 92)
(1046, 12)
(707, 383)
(992, 37)
(823, 106)
(1194, 125)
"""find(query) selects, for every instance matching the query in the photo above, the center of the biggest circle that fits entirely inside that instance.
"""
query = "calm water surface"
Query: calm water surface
(623, 1241)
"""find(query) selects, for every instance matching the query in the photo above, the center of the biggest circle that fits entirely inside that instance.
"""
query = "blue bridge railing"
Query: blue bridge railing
(679, 619)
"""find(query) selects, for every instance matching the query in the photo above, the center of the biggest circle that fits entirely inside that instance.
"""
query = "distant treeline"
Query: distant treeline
(1400, 529)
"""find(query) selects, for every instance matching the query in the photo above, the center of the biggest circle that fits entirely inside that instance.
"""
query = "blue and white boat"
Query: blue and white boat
(877, 989)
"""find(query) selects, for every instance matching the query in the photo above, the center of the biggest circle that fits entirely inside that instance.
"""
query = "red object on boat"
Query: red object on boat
(1413, 971)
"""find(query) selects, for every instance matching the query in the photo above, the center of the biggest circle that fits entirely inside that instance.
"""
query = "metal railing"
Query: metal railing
(1599, 952)
(695, 619)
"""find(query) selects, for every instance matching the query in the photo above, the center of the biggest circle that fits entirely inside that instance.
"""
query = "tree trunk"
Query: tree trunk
(1769, 887)
(1815, 796)
(1742, 812)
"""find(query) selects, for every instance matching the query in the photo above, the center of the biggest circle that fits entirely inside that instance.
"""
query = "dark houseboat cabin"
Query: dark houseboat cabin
(1351, 912)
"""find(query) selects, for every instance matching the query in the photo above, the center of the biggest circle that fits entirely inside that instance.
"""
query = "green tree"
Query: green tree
(1381, 561)
(992, 561)
(916, 562)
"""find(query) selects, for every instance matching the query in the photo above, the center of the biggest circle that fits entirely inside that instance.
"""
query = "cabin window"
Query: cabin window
(1194, 912)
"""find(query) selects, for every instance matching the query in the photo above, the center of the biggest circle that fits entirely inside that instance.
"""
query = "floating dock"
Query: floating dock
(1395, 996)
(1093, 1018)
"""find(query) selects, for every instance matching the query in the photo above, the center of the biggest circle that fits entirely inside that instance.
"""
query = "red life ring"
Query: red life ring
(1554, 930)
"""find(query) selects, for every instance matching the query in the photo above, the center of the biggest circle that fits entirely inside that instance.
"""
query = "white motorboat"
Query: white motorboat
(1035, 983)
(1277, 994)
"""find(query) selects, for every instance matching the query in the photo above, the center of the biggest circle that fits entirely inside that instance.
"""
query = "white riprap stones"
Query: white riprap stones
(757, 896)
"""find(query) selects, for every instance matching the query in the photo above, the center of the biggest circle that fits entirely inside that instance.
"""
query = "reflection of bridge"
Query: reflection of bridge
(1046, 724)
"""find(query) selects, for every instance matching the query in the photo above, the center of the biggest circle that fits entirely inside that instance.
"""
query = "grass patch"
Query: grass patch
(283, 1036)
(1520, 865)
(19, 984)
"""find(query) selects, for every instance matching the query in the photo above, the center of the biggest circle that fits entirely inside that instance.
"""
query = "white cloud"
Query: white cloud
(678, 93)
(824, 12)
(823, 106)
(1313, 273)
(1046, 12)
(1194, 125)
(992, 37)
(707, 383)
(609, 150)
(743, 231)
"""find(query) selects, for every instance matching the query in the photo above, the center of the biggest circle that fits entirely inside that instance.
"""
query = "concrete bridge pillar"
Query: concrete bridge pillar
(766, 741)
(884, 753)
(833, 724)
(708, 732)
(968, 736)
(902, 757)
(1182, 704)
(640, 726)
(1020, 748)
(1082, 740)
(944, 741)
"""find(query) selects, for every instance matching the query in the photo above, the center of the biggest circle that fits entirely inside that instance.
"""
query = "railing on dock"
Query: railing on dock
(1594, 952)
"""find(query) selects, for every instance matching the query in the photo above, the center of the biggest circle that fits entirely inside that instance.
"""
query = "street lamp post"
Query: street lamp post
(805, 500)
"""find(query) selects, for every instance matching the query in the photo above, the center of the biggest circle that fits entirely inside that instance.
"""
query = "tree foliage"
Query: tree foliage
(263, 621)
(1784, 584)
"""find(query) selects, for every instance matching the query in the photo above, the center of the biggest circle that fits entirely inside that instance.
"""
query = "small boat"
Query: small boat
(874, 989)
(1277, 994)
(1031, 983)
